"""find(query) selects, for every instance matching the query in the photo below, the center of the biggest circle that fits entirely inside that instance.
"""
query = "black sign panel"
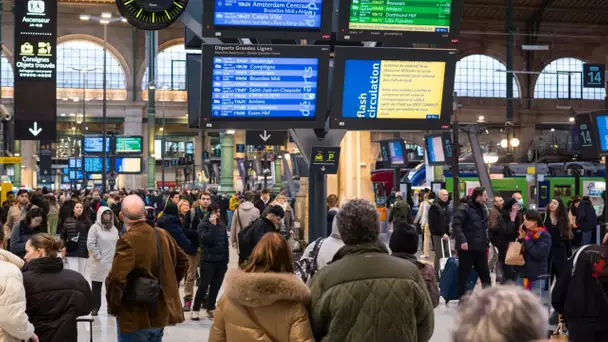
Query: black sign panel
(594, 75)
(271, 138)
(584, 139)
(46, 158)
(35, 69)
(325, 159)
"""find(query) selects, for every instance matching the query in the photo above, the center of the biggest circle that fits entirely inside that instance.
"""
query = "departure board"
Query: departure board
(94, 144)
(412, 87)
(258, 82)
(131, 144)
(95, 164)
(268, 13)
(401, 15)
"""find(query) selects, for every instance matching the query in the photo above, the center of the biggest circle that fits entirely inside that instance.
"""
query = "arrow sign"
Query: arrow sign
(265, 137)
(323, 168)
(35, 130)
(325, 159)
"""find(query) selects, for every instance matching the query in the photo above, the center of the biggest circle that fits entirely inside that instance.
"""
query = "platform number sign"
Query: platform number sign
(593, 75)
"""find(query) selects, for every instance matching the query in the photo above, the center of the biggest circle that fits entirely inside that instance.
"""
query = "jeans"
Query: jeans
(587, 238)
(230, 214)
(96, 289)
(212, 277)
(145, 335)
(472, 259)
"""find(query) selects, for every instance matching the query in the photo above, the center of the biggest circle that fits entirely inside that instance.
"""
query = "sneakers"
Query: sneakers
(210, 314)
(94, 313)
(187, 305)
(195, 316)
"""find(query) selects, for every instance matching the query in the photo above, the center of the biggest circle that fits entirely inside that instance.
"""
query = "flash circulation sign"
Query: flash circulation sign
(35, 69)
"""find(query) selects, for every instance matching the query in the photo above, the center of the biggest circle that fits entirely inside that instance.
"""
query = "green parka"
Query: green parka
(367, 295)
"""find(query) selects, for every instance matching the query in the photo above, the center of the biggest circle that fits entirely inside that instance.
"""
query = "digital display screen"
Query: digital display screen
(396, 153)
(129, 144)
(93, 144)
(75, 163)
(127, 165)
(264, 82)
(76, 175)
(401, 15)
(434, 150)
(602, 131)
(377, 89)
(189, 148)
(66, 179)
(268, 13)
(95, 164)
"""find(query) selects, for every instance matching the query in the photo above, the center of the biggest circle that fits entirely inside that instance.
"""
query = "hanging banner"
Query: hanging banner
(35, 69)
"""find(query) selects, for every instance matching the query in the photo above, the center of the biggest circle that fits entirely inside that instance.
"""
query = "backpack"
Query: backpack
(245, 241)
(307, 266)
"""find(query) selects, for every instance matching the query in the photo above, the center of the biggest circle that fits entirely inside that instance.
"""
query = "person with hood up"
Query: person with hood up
(14, 322)
(101, 243)
(404, 245)
(265, 301)
(244, 216)
(31, 225)
(586, 219)
(55, 296)
(74, 234)
(329, 246)
(171, 222)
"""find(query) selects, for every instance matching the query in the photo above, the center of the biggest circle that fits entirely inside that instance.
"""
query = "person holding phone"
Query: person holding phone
(537, 245)
(214, 244)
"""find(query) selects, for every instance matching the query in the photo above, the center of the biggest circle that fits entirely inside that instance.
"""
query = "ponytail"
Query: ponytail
(50, 244)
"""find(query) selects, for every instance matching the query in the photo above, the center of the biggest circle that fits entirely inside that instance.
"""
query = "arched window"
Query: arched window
(171, 68)
(563, 79)
(8, 79)
(75, 55)
(482, 76)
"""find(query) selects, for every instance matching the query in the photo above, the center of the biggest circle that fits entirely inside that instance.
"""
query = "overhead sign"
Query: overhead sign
(193, 81)
(10, 160)
(602, 132)
(35, 69)
(594, 75)
(272, 138)
(584, 140)
(325, 159)
(394, 152)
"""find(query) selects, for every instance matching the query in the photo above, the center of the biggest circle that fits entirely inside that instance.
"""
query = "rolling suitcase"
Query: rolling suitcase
(449, 278)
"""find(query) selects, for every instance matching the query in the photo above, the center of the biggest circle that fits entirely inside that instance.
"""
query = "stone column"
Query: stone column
(29, 164)
(226, 180)
(151, 53)
(354, 173)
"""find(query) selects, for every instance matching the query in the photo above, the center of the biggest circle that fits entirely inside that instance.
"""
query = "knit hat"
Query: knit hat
(358, 222)
(404, 239)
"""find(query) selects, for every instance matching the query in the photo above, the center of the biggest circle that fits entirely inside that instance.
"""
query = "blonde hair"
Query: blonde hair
(179, 205)
(501, 314)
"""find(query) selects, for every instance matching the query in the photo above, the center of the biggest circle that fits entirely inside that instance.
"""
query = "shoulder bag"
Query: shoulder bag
(143, 290)
(515, 255)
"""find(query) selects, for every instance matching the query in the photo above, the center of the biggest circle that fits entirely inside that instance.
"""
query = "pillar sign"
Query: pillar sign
(35, 69)
(325, 159)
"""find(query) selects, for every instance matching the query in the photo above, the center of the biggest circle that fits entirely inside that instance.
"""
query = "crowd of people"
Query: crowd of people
(61, 249)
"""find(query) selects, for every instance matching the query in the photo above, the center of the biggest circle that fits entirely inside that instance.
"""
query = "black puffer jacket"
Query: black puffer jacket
(19, 237)
(74, 234)
(586, 217)
(55, 298)
(214, 241)
(439, 218)
(470, 225)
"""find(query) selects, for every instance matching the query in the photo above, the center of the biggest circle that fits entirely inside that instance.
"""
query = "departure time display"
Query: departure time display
(268, 13)
(401, 15)
(387, 89)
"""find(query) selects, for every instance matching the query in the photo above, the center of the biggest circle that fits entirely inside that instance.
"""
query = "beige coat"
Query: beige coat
(262, 307)
(14, 323)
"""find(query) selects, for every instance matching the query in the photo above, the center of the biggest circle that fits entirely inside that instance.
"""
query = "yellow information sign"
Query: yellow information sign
(10, 160)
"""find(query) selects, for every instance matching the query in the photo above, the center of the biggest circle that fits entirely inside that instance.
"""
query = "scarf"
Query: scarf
(530, 235)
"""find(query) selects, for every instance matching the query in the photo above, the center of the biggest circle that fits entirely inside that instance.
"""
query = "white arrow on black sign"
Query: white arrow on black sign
(265, 137)
(323, 168)
(35, 130)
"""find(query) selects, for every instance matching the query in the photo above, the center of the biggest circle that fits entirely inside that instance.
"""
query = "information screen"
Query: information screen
(129, 144)
(265, 82)
(95, 164)
(127, 165)
(396, 152)
(434, 150)
(424, 21)
(93, 144)
(75, 163)
(602, 131)
(417, 87)
(76, 175)
(281, 19)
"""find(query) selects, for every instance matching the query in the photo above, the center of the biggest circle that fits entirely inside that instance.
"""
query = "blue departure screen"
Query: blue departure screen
(396, 153)
(93, 144)
(602, 131)
(255, 87)
(268, 13)
(95, 164)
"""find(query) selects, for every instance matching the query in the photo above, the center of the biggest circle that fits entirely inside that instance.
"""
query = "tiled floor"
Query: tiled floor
(104, 327)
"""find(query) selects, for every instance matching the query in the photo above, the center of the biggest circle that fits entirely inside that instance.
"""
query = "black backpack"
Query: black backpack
(307, 266)
(245, 241)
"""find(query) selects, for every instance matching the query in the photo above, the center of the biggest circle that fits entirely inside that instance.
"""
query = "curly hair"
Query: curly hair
(501, 314)
(358, 222)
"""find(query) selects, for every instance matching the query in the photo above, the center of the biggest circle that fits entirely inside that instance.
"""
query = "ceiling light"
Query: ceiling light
(72, 114)
(161, 129)
(552, 129)
(62, 114)
(503, 143)
(514, 142)
(85, 17)
(76, 99)
(481, 118)
(104, 21)
(106, 15)
(230, 131)
(571, 119)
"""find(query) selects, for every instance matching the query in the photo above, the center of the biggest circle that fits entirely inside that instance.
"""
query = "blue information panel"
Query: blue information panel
(93, 144)
(264, 82)
(268, 13)
(396, 152)
(75, 163)
(95, 164)
(435, 150)
(264, 87)
(602, 131)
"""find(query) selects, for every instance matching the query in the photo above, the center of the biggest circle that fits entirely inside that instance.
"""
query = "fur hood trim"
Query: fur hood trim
(264, 289)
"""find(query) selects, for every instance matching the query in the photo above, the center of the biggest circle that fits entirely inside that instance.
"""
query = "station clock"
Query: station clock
(151, 14)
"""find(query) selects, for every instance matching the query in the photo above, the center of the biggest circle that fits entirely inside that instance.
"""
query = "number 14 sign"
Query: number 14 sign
(593, 75)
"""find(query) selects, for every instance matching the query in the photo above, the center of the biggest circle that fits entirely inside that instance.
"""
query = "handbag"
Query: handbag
(143, 290)
(559, 334)
(515, 255)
